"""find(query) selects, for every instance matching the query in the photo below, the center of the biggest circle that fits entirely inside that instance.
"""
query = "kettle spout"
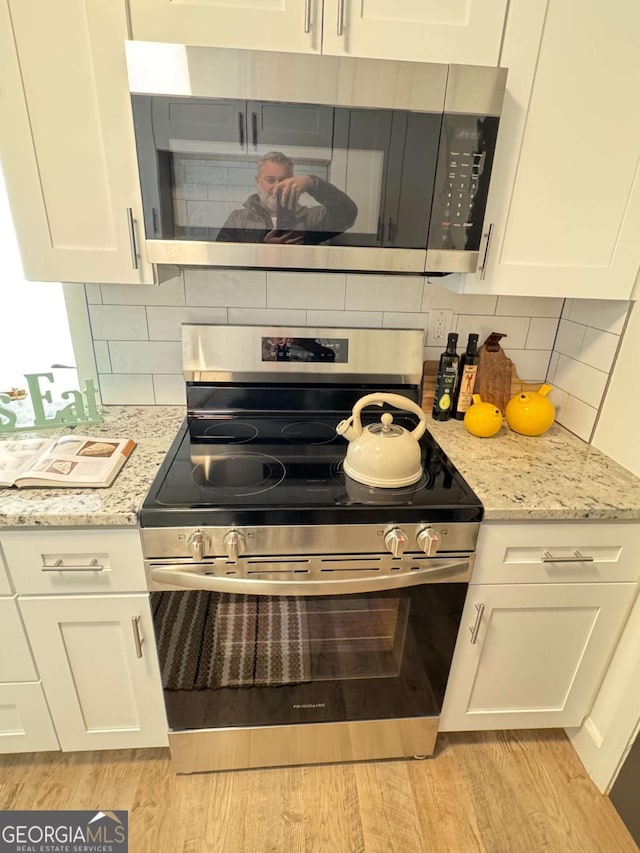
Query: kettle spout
(347, 429)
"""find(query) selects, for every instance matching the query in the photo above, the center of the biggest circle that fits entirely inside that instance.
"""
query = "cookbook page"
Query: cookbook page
(16, 457)
(79, 459)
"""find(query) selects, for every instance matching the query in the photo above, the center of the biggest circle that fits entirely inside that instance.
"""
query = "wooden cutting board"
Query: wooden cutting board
(495, 370)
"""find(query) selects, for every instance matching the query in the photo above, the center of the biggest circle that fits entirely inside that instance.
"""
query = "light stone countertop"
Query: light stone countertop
(554, 477)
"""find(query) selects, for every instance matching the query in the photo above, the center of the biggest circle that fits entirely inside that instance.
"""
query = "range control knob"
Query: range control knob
(396, 541)
(234, 545)
(428, 541)
(198, 545)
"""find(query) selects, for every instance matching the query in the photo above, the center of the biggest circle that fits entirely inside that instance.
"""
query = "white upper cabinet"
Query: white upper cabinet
(69, 158)
(464, 31)
(564, 204)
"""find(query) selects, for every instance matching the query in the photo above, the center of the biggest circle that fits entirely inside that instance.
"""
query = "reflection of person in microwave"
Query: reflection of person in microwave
(273, 213)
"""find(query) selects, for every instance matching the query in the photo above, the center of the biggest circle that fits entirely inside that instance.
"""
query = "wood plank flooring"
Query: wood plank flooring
(487, 792)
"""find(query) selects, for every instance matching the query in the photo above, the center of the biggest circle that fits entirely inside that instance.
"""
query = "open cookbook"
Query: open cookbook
(71, 461)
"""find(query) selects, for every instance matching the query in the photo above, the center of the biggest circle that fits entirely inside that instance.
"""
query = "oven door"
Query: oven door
(349, 669)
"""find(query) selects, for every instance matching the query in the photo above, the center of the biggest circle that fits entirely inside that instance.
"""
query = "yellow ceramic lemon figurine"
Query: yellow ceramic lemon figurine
(482, 419)
(531, 414)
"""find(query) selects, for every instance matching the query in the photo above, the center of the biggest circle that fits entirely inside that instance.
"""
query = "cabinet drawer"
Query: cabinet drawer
(74, 561)
(557, 552)
(25, 723)
(16, 663)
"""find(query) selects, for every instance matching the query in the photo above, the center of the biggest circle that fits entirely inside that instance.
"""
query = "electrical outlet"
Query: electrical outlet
(440, 322)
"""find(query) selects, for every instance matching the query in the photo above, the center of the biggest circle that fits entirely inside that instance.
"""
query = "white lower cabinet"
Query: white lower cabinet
(99, 669)
(25, 722)
(545, 608)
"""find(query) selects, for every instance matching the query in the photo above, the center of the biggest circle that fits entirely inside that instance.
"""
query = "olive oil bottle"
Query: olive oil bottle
(466, 378)
(446, 381)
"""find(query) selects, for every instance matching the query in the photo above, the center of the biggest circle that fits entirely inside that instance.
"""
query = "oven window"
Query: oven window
(252, 172)
(235, 660)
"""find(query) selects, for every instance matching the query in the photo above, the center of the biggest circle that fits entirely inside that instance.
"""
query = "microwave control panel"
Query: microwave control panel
(465, 160)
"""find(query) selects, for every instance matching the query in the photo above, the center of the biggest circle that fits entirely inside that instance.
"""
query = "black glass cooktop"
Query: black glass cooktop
(288, 469)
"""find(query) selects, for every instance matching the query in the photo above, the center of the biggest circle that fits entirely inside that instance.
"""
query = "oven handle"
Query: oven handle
(455, 571)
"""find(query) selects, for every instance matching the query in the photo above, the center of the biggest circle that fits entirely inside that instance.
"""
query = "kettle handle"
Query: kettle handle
(396, 400)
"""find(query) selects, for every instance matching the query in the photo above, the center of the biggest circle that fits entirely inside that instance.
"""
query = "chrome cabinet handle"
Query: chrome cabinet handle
(483, 269)
(132, 238)
(241, 129)
(137, 639)
(254, 129)
(59, 566)
(340, 27)
(307, 16)
(577, 558)
(476, 625)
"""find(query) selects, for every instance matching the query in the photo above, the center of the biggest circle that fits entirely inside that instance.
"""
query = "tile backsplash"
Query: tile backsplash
(136, 329)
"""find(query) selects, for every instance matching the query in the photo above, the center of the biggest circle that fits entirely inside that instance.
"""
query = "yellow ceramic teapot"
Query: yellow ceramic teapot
(531, 413)
(482, 419)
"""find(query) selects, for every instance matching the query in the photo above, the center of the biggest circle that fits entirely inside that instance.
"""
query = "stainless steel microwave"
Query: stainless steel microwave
(296, 161)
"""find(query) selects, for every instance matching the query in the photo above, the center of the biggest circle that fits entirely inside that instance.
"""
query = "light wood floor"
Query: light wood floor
(515, 792)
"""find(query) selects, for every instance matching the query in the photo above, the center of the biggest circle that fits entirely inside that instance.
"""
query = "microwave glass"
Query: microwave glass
(218, 170)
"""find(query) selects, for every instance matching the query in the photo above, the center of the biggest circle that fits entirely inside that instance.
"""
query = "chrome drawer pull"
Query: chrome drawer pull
(137, 639)
(59, 566)
(577, 558)
(476, 625)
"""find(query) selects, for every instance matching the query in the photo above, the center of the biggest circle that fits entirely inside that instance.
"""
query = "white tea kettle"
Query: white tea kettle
(383, 454)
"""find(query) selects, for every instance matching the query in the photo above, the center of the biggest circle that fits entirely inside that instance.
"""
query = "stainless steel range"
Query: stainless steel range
(300, 616)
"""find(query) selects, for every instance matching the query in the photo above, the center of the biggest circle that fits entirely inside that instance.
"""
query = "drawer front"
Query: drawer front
(16, 663)
(25, 723)
(584, 552)
(5, 583)
(71, 561)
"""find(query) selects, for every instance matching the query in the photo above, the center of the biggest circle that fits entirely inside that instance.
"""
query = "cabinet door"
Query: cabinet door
(296, 129)
(16, 663)
(532, 656)
(68, 151)
(564, 205)
(102, 687)
(294, 25)
(418, 30)
(25, 723)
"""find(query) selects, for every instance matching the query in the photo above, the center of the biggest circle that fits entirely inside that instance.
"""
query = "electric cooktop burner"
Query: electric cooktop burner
(274, 469)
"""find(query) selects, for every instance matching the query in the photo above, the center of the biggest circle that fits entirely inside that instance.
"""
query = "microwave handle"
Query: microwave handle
(482, 269)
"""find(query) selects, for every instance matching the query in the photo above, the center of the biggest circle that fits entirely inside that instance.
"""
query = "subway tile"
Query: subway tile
(542, 333)
(226, 288)
(567, 308)
(165, 324)
(529, 306)
(580, 380)
(118, 322)
(103, 361)
(345, 319)
(196, 174)
(577, 417)
(306, 290)
(169, 293)
(229, 193)
(432, 353)
(515, 329)
(190, 192)
(531, 365)
(92, 293)
(559, 399)
(384, 293)
(606, 314)
(569, 338)
(459, 303)
(400, 320)
(180, 212)
(207, 214)
(125, 390)
(599, 349)
(146, 356)
(553, 363)
(267, 317)
(170, 390)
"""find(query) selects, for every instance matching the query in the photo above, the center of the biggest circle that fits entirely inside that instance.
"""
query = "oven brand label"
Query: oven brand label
(311, 705)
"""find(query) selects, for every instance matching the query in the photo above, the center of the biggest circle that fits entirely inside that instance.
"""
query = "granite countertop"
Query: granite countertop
(153, 428)
(554, 476)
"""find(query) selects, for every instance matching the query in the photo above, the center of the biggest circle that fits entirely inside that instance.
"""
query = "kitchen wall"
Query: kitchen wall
(589, 334)
(136, 329)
